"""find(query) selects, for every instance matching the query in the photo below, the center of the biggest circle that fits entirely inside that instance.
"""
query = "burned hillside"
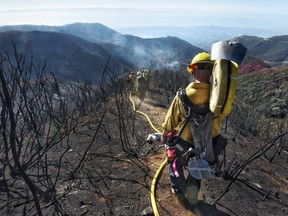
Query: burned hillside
(79, 149)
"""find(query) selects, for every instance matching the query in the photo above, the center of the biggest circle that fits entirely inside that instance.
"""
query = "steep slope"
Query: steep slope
(156, 53)
(67, 56)
(266, 91)
(164, 51)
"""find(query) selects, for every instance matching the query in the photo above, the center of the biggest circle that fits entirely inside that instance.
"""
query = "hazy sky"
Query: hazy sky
(127, 13)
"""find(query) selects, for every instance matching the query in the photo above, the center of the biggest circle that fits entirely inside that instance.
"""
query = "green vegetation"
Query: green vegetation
(264, 93)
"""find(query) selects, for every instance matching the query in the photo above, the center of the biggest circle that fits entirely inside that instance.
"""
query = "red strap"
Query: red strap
(174, 168)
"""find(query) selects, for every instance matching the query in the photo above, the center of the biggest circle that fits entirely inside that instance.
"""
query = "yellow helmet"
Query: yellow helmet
(199, 58)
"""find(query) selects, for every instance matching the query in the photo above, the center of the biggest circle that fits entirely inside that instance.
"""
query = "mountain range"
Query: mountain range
(81, 49)
(200, 36)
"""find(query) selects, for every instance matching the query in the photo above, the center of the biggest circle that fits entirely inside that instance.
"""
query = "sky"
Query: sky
(265, 14)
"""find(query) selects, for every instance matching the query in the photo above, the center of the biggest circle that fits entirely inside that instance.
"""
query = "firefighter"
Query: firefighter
(185, 117)
(130, 80)
(141, 85)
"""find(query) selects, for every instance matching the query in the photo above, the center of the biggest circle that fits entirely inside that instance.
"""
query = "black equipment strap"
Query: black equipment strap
(192, 109)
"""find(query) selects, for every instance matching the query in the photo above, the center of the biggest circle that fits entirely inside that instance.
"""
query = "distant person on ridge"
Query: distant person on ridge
(130, 80)
(190, 116)
(141, 85)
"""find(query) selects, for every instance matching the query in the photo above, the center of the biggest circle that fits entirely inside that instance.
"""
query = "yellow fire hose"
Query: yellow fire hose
(137, 111)
(160, 169)
(153, 187)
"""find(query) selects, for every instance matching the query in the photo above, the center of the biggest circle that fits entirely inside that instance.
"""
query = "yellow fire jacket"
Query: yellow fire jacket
(198, 94)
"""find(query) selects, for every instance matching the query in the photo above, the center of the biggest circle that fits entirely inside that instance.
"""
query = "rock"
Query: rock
(148, 211)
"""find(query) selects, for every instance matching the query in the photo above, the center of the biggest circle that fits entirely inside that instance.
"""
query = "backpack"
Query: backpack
(200, 123)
